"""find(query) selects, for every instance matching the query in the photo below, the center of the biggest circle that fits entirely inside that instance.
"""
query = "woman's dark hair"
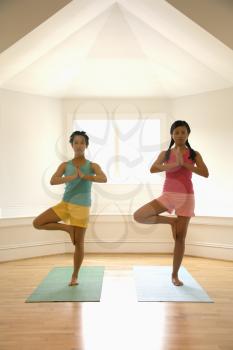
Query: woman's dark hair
(175, 125)
(79, 133)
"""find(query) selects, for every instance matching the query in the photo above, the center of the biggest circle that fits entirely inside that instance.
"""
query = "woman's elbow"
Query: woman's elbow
(206, 174)
(152, 169)
(52, 181)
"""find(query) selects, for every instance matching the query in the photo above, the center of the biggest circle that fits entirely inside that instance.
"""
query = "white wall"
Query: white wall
(31, 138)
(32, 131)
(211, 120)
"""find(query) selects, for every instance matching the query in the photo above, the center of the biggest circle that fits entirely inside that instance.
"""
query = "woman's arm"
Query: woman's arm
(159, 165)
(98, 177)
(58, 178)
(200, 168)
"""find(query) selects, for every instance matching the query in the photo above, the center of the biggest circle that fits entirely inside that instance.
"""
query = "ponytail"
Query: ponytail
(192, 152)
(167, 154)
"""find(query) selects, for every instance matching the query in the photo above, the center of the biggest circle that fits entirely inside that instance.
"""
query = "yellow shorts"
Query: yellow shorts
(72, 214)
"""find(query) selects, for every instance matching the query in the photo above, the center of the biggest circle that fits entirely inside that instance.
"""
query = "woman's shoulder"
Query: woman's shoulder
(63, 164)
(197, 155)
(94, 165)
(90, 164)
(66, 163)
(168, 150)
(162, 153)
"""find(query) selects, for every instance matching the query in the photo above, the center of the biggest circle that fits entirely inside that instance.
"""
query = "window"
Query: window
(124, 148)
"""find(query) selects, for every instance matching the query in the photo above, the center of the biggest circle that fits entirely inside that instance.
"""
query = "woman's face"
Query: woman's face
(180, 135)
(79, 145)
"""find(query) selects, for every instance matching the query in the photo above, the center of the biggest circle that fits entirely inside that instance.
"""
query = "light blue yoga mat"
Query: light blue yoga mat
(153, 283)
(55, 287)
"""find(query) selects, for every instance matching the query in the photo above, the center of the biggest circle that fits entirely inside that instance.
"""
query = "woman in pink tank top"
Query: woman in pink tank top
(179, 162)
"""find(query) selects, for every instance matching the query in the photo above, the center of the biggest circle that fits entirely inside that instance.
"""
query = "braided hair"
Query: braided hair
(175, 125)
(79, 133)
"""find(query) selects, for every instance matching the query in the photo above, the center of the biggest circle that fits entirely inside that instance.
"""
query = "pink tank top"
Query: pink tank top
(179, 179)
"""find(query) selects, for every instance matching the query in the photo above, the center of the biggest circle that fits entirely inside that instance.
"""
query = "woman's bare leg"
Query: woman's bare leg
(48, 220)
(149, 214)
(181, 230)
(78, 253)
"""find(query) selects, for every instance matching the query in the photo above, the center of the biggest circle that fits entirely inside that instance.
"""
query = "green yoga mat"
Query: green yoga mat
(153, 283)
(55, 287)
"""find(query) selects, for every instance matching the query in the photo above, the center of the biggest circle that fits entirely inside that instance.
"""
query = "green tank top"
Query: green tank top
(78, 191)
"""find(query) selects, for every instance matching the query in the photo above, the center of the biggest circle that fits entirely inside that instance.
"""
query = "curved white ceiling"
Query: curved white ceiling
(127, 48)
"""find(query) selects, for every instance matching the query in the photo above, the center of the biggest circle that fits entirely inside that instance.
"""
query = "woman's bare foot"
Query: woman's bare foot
(173, 225)
(71, 231)
(73, 281)
(176, 281)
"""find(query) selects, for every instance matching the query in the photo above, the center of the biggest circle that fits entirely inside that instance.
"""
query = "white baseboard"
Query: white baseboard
(31, 250)
(207, 237)
(210, 250)
(197, 220)
(22, 251)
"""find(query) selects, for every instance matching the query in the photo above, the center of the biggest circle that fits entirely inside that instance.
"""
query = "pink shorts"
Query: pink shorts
(182, 203)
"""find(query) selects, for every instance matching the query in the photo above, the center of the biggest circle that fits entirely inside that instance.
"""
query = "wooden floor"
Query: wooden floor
(118, 322)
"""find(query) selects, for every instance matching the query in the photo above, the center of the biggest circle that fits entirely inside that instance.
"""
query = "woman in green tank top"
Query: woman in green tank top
(77, 175)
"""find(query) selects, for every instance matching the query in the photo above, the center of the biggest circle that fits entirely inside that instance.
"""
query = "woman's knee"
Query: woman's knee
(182, 228)
(79, 237)
(180, 236)
(36, 224)
(79, 246)
(137, 216)
(46, 217)
(151, 209)
(142, 218)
